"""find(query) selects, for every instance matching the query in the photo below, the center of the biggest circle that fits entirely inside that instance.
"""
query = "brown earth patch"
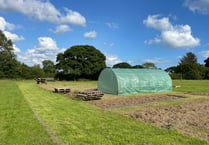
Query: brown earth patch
(47, 87)
(190, 118)
(129, 101)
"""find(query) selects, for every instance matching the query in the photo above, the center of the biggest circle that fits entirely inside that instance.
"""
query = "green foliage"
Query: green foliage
(49, 68)
(149, 65)
(189, 69)
(81, 61)
(137, 66)
(206, 62)
(18, 124)
(122, 65)
(189, 58)
(7, 58)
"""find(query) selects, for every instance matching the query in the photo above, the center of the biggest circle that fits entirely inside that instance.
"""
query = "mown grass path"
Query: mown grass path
(76, 122)
(18, 124)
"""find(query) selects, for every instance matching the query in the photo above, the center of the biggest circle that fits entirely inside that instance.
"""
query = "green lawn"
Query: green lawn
(57, 119)
(201, 86)
(18, 124)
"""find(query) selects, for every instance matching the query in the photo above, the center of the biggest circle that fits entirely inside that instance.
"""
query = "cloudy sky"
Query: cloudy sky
(132, 31)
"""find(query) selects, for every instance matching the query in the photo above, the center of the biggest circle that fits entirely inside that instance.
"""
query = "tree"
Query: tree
(189, 58)
(137, 66)
(149, 65)
(122, 65)
(8, 61)
(190, 71)
(48, 68)
(37, 72)
(206, 62)
(171, 69)
(80, 61)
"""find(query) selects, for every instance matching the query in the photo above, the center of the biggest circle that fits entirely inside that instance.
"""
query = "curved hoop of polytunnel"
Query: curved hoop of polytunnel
(133, 81)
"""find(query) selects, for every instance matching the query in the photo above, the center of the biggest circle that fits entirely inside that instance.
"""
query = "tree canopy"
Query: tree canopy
(206, 62)
(49, 68)
(149, 65)
(189, 68)
(122, 65)
(80, 61)
(7, 57)
(189, 58)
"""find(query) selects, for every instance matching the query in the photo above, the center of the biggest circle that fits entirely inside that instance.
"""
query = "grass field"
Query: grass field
(18, 124)
(32, 115)
(201, 86)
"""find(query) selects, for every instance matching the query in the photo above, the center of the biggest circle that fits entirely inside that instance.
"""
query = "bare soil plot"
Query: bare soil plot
(129, 101)
(190, 118)
(47, 87)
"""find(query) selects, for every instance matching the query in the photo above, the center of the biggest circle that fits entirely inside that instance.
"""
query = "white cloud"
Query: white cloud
(153, 21)
(46, 49)
(204, 54)
(172, 36)
(62, 29)
(155, 60)
(13, 37)
(201, 6)
(112, 25)
(112, 60)
(6, 27)
(90, 35)
(108, 44)
(16, 49)
(43, 10)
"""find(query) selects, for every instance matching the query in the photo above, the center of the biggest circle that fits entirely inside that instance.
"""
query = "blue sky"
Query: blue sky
(132, 31)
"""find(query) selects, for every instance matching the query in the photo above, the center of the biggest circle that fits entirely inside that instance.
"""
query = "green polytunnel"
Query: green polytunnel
(133, 81)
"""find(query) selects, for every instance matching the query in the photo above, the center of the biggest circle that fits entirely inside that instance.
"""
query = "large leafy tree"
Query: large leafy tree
(206, 62)
(122, 65)
(137, 66)
(190, 71)
(80, 61)
(149, 65)
(188, 68)
(8, 61)
(189, 58)
(48, 68)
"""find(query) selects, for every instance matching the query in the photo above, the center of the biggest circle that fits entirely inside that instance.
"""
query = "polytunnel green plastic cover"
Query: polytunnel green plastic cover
(133, 81)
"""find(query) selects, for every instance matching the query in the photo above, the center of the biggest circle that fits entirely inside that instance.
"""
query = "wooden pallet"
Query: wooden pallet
(41, 81)
(62, 90)
(90, 95)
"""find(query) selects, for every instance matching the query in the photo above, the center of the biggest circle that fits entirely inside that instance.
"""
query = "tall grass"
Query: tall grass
(18, 124)
(76, 122)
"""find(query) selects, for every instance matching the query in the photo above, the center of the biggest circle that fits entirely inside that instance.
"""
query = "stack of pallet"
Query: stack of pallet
(62, 90)
(90, 95)
(41, 81)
